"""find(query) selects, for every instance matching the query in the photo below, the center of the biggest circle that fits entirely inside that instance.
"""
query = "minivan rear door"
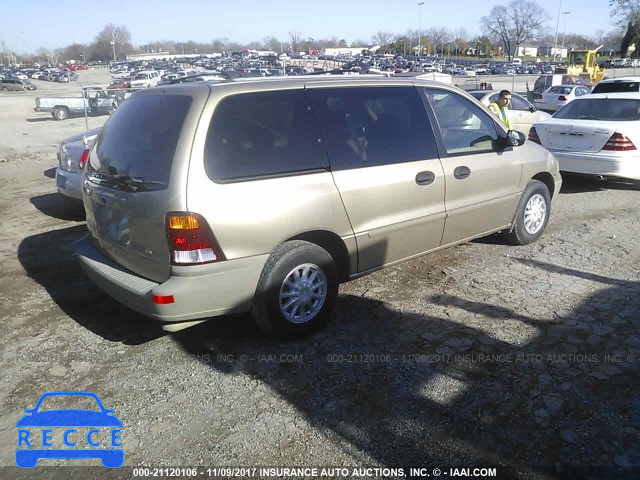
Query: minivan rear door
(136, 174)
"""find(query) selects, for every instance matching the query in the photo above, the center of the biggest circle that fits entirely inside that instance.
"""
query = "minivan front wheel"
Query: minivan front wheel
(297, 289)
(532, 215)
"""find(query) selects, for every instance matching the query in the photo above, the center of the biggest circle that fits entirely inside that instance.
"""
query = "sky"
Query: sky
(27, 25)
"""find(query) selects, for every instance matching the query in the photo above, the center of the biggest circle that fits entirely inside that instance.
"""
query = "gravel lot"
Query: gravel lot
(482, 354)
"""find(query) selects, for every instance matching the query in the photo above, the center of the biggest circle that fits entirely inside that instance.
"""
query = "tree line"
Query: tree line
(503, 30)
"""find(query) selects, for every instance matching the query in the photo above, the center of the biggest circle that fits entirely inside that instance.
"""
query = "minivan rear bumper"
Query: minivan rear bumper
(199, 291)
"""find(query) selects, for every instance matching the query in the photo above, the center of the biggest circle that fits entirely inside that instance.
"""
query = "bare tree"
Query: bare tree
(514, 24)
(271, 43)
(626, 11)
(295, 40)
(102, 48)
(460, 39)
(220, 45)
(438, 37)
(381, 38)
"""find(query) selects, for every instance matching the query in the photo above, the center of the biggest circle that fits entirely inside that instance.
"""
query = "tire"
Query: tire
(532, 215)
(282, 309)
(60, 113)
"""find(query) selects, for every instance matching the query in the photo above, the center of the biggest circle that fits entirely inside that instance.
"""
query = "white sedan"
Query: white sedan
(595, 135)
(558, 96)
(521, 113)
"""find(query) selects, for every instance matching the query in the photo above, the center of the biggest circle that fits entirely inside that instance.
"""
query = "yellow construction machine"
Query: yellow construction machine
(584, 66)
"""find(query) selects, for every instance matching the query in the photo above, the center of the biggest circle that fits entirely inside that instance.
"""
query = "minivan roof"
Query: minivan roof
(301, 80)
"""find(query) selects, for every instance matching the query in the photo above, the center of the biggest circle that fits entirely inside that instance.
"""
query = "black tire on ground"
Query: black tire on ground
(532, 215)
(60, 113)
(297, 289)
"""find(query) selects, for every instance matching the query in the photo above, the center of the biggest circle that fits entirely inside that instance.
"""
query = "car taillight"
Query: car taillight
(619, 142)
(191, 240)
(83, 159)
(533, 136)
(562, 98)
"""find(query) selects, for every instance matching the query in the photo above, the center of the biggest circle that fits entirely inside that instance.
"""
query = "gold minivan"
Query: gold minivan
(263, 195)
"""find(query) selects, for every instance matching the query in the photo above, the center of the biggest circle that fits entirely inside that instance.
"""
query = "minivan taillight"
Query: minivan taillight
(83, 159)
(191, 240)
(619, 142)
(533, 136)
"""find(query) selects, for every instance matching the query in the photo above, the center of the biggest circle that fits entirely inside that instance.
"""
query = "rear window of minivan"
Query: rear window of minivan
(264, 134)
(140, 139)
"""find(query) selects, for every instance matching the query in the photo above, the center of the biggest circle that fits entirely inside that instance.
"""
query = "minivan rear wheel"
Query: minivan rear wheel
(297, 289)
(532, 215)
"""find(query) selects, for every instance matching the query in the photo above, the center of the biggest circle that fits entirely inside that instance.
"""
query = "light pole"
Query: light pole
(555, 42)
(564, 30)
(113, 45)
(420, 4)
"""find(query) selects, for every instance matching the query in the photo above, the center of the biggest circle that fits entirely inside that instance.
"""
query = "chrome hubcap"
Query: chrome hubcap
(535, 213)
(303, 293)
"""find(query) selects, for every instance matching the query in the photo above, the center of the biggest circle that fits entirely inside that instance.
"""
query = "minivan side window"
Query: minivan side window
(263, 133)
(465, 127)
(370, 126)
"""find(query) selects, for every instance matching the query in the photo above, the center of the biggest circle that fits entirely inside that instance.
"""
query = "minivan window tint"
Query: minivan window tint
(366, 127)
(621, 109)
(615, 87)
(263, 133)
(465, 128)
(140, 139)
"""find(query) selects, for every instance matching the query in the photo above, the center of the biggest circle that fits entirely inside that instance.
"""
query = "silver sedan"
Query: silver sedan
(72, 156)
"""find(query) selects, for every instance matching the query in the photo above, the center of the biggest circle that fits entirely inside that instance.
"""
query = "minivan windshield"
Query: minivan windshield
(139, 141)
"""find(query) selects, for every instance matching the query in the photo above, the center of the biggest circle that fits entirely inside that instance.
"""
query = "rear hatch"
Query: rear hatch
(137, 173)
(586, 124)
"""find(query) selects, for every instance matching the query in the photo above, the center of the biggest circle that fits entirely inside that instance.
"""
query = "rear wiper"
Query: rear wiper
(135, 184)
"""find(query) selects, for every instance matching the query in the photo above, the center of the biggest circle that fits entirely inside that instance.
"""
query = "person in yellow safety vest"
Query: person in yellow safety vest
(500, 109)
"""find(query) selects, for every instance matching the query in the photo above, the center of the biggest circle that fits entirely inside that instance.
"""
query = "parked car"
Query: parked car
(522, 114)
(146, 79)
(66, 77)
(94, 101)
(618, 85)
(558, 96)
(72, 157)
(16, 85)
(545, 81)
(595, 135)
(188, 191)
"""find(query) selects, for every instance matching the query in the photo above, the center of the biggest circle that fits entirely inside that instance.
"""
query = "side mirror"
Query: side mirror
(533, 108)
(515, 138)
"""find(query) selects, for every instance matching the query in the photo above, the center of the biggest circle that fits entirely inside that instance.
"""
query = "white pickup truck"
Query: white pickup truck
(94, 101)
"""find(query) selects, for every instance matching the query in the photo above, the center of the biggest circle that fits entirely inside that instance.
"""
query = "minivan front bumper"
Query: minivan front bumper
(199, 291)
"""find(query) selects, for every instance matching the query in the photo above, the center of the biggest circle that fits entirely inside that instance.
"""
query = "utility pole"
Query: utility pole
(420, 4)
(113, 45)
(564, 30)
(555, 43)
